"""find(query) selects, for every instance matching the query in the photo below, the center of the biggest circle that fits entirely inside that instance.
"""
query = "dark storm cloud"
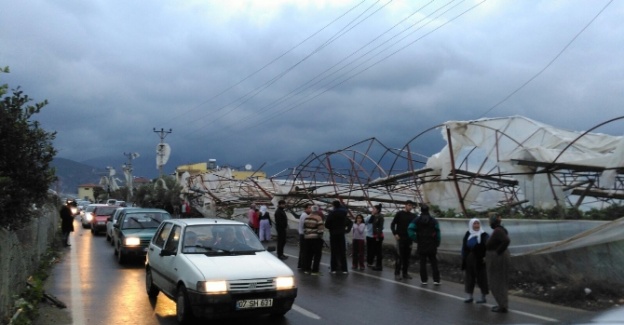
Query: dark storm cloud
(257, 81)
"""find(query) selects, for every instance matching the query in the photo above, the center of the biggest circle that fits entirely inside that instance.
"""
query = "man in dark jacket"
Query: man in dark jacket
(281, 226)
(403, 250)
(67, 221)
(337, 223)
(425, 231)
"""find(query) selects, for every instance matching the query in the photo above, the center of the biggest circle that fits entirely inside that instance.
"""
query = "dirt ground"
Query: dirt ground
(599, 297)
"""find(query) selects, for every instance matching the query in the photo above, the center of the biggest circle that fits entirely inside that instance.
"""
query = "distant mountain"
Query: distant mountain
(70, 174)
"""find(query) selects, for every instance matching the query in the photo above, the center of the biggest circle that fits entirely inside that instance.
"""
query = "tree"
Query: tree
(154, 195)
(27, 151)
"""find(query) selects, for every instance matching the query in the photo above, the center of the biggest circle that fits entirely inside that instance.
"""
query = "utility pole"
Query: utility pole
(127, 168)
(161, 146)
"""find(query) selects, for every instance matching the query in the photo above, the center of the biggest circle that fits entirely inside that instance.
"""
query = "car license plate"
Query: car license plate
(254, 303)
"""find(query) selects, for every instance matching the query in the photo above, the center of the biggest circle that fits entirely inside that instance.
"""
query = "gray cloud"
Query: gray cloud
(245, 83)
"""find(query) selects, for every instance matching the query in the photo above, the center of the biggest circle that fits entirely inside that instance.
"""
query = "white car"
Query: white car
(216, 268)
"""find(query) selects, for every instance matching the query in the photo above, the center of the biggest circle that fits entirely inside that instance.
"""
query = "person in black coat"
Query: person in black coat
(67, 221)
(425, 231)
(473, 260)
(403, 251)
(281, 226)
(338, 224)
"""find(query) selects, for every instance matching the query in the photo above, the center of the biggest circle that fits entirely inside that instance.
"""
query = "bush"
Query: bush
(27, 151)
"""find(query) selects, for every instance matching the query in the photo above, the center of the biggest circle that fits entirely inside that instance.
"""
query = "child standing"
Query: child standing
(359, 235)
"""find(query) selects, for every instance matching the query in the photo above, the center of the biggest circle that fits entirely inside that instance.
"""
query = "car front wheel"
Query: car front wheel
(184, 314)
(150, 287)
(121, 258)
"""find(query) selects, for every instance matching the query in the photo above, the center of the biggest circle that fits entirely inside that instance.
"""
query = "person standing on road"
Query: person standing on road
(473, 260)
(313, 229)
(281, 226)
(67, 221)
(403, 250)
(376, 221)
(265, 224)
(357, 245)
(337, 223)
(252, 218)
(307, 209)
(425, 231)
(374, 239)
(497, 260)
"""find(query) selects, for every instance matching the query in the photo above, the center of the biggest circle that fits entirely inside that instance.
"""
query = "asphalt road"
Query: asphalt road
(97, 290)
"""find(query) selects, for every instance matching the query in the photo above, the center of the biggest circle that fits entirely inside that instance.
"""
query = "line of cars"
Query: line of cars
(211, 268)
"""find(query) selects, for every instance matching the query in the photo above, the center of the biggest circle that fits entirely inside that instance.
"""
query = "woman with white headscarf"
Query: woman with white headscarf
(473, 260)
(265, 224)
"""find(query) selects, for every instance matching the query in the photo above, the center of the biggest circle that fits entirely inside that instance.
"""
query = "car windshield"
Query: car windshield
(216, 239)
(144, 220)
(105, 211)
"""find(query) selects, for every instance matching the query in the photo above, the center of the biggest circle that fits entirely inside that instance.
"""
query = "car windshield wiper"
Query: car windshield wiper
(207, 248)
(137, 221)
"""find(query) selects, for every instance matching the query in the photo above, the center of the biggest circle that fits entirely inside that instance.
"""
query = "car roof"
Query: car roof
(135, 209)
(204, 221)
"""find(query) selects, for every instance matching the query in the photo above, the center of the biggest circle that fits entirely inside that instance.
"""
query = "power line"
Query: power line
(255, 113)
(251, 94)
(347, 77)
(264, 66)
(549, 63)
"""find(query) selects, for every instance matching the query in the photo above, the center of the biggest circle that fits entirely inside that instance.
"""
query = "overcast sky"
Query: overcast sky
(264, 81)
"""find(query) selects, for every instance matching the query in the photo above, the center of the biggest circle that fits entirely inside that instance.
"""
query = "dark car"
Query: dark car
(134, 230)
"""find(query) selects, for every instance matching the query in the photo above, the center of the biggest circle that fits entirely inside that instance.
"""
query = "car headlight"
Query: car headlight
(74, 211)
(285, 282)
(212, 287)
(89, 217)
(132, 241)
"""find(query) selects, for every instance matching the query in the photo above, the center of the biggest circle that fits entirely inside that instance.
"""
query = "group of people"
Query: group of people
(485, 257)
(261, 223)
(485, 261)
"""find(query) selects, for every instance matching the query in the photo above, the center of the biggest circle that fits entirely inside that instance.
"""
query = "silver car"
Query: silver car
(112, 220)
(216, 268)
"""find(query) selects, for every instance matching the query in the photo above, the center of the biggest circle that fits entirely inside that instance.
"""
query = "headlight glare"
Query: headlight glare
(212, 287)
(285, 282)
(133, 241)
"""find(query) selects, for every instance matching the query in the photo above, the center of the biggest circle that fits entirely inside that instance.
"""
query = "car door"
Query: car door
(163, 267)
(116, 228)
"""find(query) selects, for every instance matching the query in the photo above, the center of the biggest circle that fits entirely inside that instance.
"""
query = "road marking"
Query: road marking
(548, 319)
(305, 312)
(78, 316)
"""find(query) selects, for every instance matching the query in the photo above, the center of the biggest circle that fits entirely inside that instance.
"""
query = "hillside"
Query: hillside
(71, 174)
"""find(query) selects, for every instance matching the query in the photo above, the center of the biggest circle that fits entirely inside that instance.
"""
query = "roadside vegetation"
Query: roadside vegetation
(27, 151)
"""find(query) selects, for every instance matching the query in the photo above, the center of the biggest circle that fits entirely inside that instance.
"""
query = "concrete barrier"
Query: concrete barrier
(555, 249)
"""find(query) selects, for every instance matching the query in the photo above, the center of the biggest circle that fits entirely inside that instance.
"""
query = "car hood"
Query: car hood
(259, 265)
(141, 233)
